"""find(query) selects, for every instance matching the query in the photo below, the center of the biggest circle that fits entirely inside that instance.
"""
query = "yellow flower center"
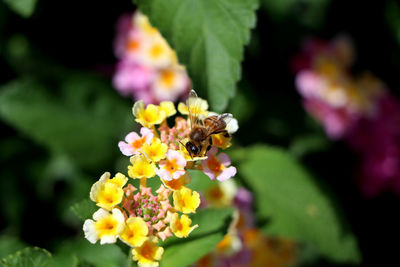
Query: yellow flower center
(138, 143)
(106, 226)
(156, 50)
(147, 251)
(178, 225)
(175, 184)
(216, 193)
(168, 78)
(171, 166)
(225, 243)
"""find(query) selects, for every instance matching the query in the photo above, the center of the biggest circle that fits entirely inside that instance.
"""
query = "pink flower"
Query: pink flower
(216, 167)
(148, 68)
(123, 27)
(308, 83)
(130, 78)
(377, 140)
(169, 84)
(172, 167)
(337, 121)
(133, 142)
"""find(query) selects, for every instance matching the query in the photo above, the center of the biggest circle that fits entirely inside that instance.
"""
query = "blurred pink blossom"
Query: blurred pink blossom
(148, 68)
(359, 111)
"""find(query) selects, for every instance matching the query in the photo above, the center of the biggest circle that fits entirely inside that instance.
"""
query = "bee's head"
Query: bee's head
(192, 149)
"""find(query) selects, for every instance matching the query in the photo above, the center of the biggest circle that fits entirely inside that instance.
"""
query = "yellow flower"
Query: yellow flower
(107, 193)
(221, 194)
(105, 226)
(185, 200)
(156, 150)
(176, 184)
(142, 22)
(197, 106)
(148, 116)
(221, 140)
(181, 226)
(141, 167)
(230, 244)
(119, 179)
(148, 253)
(135, 232)
(168, 107)
(157, 53)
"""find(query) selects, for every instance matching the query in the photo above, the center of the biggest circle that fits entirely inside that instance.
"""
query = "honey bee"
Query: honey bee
(201, 130)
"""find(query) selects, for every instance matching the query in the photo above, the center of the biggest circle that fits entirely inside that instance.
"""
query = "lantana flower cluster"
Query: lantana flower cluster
(329, 91)
(148, 67)
(360, 111)
(141, 216)
(244, 244)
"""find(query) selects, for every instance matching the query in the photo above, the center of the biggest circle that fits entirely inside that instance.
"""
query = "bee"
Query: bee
(201, 130)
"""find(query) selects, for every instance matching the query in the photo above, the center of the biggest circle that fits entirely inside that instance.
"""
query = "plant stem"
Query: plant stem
(143, 182)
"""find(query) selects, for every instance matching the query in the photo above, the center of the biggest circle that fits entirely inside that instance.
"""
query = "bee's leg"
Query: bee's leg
(209, 143)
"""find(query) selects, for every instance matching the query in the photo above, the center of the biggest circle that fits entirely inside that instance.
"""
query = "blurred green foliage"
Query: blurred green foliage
(28, 257)
(294, 203)
(309, 13)
(24, 8)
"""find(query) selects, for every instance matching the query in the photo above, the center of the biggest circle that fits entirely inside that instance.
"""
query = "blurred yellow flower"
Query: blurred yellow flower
(221, 194)
(186, 200)
(143, 23)
(197, 106)
(230, 244)
(168, 107)
(181, 226)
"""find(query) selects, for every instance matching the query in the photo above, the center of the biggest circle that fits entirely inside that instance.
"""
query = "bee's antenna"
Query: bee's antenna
(185, 148)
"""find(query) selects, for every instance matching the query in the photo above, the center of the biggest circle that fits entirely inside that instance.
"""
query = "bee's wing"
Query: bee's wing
(217, 123)
(193, 108)
(227, 117)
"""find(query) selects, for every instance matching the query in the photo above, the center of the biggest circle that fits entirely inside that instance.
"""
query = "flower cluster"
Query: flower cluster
(329, 92)
(138, 215)
(360, 110)
(244, 244)
(148, 68)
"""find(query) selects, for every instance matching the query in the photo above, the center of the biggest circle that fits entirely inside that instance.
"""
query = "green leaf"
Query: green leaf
(24, 8)
(28, 257)
(306, 144)
(392, 14)
(82, 251)
(189, 252)
(200, 181)
(83, 120)
(209, 36)
(296, 206)
(213, 224)
(9, 244)
(84, 209)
